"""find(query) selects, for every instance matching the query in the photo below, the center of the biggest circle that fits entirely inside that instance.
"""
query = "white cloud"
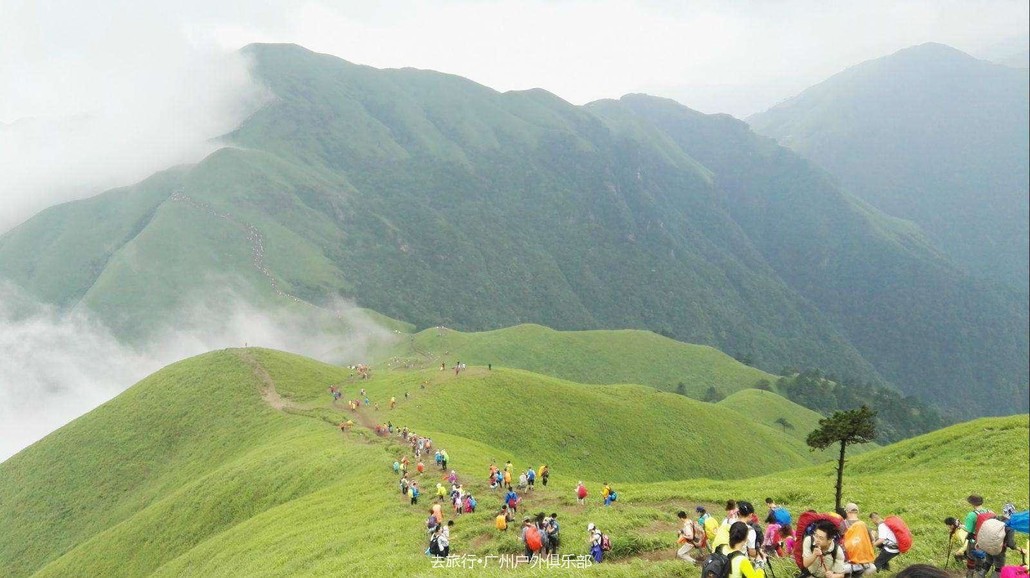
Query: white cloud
(54, 367)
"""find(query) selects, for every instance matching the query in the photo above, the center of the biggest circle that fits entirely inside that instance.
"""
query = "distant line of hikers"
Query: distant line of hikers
(823, 545)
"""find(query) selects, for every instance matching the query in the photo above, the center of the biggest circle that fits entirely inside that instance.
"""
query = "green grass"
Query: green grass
(626, 356)
(190, 472)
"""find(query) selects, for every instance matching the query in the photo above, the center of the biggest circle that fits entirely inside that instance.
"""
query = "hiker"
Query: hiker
(611, 497)
(531, 538)
(452, 477)
(687, 538)
(787, 535)
(996, 549)
(744, 512)
(530, 479)
(739, 564)
(393, 403)
(771, 543)
(396, 467)
(957, 543)
(553, 533)
(545, 541)
(708, 523)
(441, 492)
(507, 478)
(439, 459)
(975, 557)
(457, 501)
(544, 473)
(432, 522)
(858, 544)
(437, 511)
(581, 493)
(606, 491)
(821, 556)
(523, 482)
(444, 541)
(420, 468)
(886, 541)
(443, 459)
(512, 501)
(508, 466)
(413, 491)
(596, 541)
(470, 504)
(501, 521)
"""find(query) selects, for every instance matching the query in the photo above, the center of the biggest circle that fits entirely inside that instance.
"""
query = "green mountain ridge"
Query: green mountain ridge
(231, 464)
(436, 201)
(932, 135)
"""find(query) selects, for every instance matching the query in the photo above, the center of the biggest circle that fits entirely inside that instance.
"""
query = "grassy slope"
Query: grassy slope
(626, 356)
(190, 472)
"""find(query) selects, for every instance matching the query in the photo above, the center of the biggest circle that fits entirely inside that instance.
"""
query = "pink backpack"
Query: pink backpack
(1013, 572)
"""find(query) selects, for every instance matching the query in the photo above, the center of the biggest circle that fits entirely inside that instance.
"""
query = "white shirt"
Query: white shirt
(890, 541)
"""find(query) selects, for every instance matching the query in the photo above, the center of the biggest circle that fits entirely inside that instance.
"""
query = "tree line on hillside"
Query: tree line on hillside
(897, 416)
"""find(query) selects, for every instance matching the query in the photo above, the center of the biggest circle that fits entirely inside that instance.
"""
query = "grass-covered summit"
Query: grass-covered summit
(231, 464)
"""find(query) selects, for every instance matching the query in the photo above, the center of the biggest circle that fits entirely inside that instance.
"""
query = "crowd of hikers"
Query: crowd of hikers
(844, 544)
(841, 545)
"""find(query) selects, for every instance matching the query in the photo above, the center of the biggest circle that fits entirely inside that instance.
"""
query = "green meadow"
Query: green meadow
(232, 464)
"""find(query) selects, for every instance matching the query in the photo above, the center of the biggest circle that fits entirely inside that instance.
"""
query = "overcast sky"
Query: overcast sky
(115, 90)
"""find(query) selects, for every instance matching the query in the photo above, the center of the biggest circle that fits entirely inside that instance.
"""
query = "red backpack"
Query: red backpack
(901, 532)
(581, 492)
(533, 541)
(982, 517)
(806, 527)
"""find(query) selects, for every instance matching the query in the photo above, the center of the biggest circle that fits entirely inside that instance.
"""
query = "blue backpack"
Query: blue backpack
(1020, 522)
(782, 516)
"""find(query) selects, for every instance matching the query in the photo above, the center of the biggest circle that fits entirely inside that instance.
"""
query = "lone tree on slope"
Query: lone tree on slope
(856, 426)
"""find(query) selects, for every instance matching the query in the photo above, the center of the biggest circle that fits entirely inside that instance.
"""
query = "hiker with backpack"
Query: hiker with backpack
(599, 543)
(957, 536)
(690, 536)
(822, 556)
(771, 543)
(995, 538)
(581, 493)
(730, 560)
(541, 525)
(544, 472)
(858, 543)
(975, 557)
(530, 479)
(553, 532)
(444, 539)
(709, 524)
(531, 538)
(886, 541)
(511, 499)
(501, 520)
(746, 513)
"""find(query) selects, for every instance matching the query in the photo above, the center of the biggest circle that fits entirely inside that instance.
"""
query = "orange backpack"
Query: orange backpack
(533, 541)
(857, 544)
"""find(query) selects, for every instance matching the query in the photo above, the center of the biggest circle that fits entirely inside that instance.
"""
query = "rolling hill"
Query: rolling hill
(437, 201)
(231, 464)
(600, 356)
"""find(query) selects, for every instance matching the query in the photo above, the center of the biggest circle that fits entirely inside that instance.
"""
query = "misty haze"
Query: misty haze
(278, 282)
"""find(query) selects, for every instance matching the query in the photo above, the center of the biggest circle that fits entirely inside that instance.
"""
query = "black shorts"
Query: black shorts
(531, 481)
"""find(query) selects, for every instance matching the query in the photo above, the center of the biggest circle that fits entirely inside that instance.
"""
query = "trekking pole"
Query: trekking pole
(769, 565)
